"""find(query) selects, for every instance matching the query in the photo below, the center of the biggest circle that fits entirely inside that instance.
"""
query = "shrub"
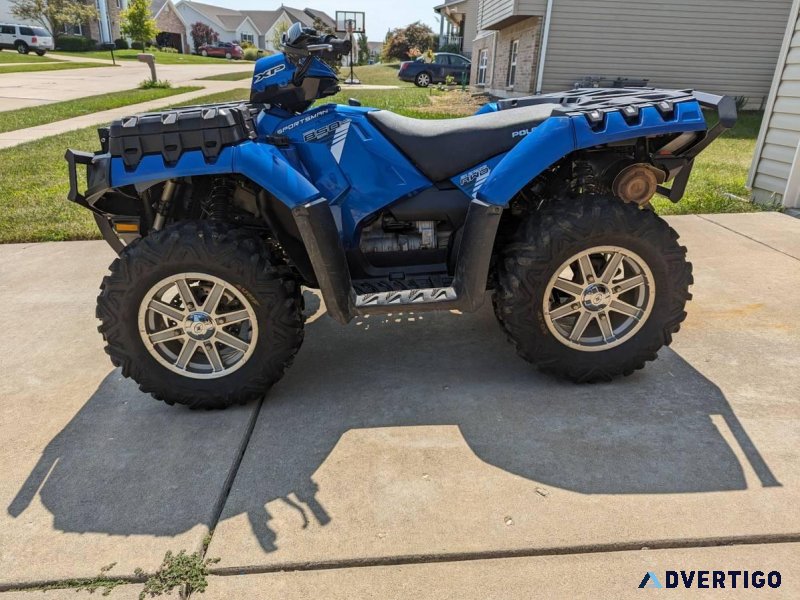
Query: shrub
(75, 43)
(244, 44)
(122, 44)
(137, 46)
(149, 84)
(251, 53)
(202, 34)
(168, 50)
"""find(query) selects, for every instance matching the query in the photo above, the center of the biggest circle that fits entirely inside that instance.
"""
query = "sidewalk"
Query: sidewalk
(20, 136)
(413, 455)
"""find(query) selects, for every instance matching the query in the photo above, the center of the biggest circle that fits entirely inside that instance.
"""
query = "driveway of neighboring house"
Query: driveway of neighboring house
(19, 90)
(413, 455)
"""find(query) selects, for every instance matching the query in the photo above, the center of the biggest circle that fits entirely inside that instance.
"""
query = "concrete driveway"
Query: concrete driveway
(413, 455)
(20, 90)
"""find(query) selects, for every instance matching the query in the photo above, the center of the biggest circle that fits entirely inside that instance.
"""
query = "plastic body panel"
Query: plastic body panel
(334, 152)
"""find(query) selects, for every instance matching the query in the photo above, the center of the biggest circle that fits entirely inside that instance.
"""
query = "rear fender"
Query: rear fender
(263, 164)
(546, 144)
(561, 135)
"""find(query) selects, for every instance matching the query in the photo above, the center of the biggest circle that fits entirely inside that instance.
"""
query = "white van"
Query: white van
(24, 38)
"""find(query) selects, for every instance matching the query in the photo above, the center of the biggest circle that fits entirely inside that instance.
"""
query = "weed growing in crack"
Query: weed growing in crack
(186, 572)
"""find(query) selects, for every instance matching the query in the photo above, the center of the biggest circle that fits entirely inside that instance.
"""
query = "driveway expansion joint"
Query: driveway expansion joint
(744, 235)
(415, 559)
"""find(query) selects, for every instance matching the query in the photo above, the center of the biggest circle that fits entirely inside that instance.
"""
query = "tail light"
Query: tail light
(33, 40)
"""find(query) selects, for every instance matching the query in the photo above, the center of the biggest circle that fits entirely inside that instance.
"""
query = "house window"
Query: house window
(248, 37)
(73, 29)
(483, 61)
(119, 3)
(512, 64)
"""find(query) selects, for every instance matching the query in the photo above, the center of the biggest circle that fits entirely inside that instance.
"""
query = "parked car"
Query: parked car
(444, 64)
(24, 38)
(222, 49)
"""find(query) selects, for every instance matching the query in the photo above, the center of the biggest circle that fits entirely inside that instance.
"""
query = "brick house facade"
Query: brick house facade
(174, 31)
(113, 9)
(508, 58)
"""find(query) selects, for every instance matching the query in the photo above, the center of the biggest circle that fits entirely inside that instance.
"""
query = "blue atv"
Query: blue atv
(220, 213)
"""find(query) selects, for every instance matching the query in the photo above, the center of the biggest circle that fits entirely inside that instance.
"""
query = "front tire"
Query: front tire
(591, 290)
(22, 48)
(204, 53)
(199, 314)
(422, 80)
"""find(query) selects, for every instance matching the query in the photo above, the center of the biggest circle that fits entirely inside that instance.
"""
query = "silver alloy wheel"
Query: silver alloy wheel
(599, 298)
(198, 325)
(423, 80)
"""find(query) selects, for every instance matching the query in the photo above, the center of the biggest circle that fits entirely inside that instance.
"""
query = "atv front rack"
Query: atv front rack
(321, 237)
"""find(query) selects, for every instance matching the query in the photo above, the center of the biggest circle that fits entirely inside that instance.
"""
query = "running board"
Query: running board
(324, 245)
(406, 298)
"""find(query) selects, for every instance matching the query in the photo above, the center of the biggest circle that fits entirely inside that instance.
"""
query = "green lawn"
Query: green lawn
(11, 120)
(26, 67)
(10, 56)
(33, 204)
(372, 75)
(380, 74)
(235, 76)
(162, 58)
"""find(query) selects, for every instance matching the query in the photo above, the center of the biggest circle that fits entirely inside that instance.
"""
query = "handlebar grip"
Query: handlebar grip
(341, 46)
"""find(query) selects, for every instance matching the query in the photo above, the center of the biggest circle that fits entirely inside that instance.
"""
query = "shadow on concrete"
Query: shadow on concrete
(126, 464)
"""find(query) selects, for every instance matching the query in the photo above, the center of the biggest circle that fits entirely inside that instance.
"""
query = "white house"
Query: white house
(255, 26)
(775, 172)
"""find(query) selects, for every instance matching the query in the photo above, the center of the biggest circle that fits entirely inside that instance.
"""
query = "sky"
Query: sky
(381, 15)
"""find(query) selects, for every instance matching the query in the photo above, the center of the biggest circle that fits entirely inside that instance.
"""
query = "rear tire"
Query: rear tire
(224, 364)
(423, 79)
(533, 270)
(41, 52)
(204, 53)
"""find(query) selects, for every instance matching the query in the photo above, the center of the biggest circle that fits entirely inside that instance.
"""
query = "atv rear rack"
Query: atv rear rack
(596, 103)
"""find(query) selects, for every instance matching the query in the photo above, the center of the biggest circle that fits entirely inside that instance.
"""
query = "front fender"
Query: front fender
(262, 163)
(549, 142)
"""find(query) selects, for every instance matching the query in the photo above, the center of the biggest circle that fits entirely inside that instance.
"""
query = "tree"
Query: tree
(400, 41)
(322, 27)
(420, 36)
(277, 36)
(363, 49)
(202, 34)
(53, 15)
(138, 22)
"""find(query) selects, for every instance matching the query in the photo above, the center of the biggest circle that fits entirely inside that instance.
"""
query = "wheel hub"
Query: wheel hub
(599, 298)
(199, 326)
(596, 297)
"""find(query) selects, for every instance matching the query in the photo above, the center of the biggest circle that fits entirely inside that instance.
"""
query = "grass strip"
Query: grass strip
(235, 76)
(11, 120)
(46, 66)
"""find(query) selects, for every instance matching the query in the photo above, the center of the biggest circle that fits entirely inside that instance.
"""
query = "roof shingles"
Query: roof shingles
(230, 19)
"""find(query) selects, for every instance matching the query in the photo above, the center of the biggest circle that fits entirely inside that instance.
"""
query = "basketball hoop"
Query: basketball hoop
(350, 22)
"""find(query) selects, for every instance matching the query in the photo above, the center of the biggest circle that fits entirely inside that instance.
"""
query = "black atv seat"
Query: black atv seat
(442, 148)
